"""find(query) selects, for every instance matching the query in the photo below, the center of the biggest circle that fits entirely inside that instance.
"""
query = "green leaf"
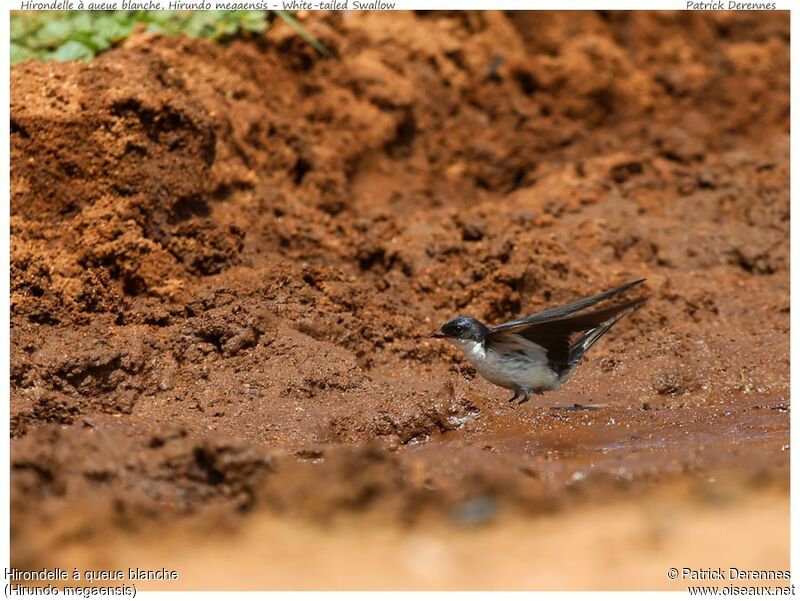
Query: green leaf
(18, 27)
(20, 53)
(83, 21)
(53, 33)
(73, 50)
(226, 29)
(160, 16)
(301, 31)
(253, 20)
(114, 30)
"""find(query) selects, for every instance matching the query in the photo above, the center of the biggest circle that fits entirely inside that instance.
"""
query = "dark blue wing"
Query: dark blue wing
(566, 340)
(559, 313)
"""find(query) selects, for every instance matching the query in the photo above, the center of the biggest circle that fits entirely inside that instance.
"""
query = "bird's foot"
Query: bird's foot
(526, 395)
(514, 398)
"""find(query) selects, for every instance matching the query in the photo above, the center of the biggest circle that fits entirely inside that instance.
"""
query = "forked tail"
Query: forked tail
(590, 337)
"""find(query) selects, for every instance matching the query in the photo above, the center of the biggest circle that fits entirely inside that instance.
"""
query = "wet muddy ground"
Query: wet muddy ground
(227, 259)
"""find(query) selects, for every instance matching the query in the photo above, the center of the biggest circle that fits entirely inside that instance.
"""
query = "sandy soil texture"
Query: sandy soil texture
(227, 260)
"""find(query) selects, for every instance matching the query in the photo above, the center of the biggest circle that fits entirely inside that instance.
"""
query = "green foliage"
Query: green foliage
(80, 35)
(212, 24)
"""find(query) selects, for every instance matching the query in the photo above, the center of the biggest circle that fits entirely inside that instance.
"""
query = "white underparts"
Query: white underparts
(512, 362)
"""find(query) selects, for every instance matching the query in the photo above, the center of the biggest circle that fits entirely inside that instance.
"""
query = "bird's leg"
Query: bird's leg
(526, 396)
(514, 398)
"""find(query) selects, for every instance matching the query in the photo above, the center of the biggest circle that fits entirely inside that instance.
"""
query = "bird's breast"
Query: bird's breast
(513, 362)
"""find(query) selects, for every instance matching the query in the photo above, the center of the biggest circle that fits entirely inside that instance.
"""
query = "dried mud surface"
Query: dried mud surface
(226, 261)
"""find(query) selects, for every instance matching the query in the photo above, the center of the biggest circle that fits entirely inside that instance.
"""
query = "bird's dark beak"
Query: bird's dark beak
(437, 335)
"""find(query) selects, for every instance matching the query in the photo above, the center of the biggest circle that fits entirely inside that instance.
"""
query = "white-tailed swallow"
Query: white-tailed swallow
(536, 353)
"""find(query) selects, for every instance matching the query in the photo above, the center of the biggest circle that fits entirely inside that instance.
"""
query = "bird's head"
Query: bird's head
(463, 329)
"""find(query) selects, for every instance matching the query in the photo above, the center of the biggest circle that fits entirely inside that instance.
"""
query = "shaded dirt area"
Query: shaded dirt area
(226, 261)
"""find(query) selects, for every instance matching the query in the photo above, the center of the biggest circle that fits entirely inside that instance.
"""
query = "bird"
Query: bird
(537, 353)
